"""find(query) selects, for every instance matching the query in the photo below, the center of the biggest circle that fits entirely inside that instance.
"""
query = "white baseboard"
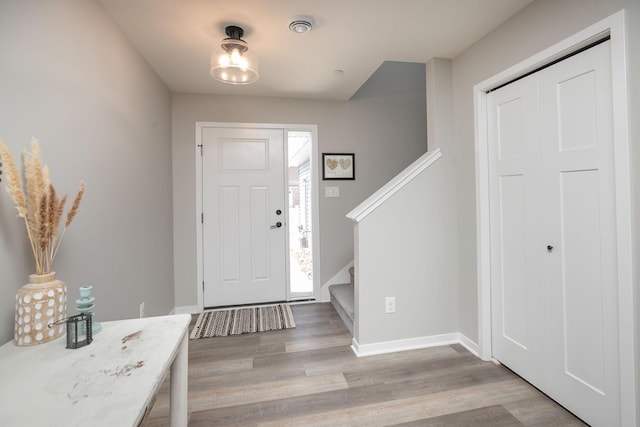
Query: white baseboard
(185, 309)
(469, 345)
(413, 344)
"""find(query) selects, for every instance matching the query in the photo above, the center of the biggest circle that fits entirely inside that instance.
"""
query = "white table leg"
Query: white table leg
(179, 385)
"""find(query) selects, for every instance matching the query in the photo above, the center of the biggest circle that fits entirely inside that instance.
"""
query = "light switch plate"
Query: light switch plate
(332, 192)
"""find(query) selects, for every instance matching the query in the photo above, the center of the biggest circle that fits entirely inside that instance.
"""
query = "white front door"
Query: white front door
(243, 216)
(554, 267)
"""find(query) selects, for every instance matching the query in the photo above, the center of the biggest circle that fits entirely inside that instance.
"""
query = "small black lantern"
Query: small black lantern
(79, 331)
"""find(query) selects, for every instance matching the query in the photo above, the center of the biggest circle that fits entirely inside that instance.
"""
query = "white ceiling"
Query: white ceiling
(356, 36)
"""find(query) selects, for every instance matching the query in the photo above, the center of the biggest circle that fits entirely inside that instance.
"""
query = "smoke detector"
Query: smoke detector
(301, 24)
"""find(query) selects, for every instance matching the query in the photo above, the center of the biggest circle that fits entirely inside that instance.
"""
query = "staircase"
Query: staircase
(342, 300)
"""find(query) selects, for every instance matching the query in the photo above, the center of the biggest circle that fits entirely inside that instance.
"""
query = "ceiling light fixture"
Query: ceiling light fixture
(231, 62)
(301, 24)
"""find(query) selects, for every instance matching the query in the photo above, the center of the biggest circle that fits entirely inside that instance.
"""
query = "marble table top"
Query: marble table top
(111, 382)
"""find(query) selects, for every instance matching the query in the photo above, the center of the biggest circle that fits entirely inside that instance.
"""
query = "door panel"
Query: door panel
(517, 294)
(260, 233)
(514, 300)
(243, 188)
(229, 234)
(581, 275)
(582, 290)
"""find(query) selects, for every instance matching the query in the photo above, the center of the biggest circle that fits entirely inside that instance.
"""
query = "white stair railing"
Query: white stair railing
(393, 186)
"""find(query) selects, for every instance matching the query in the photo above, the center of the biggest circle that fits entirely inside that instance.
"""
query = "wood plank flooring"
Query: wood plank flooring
(308, 376)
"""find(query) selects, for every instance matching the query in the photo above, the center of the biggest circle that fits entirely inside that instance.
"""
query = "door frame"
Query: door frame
(614, 26)
(315, 232)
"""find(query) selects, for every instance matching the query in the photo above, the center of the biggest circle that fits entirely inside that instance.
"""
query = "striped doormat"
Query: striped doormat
(221, 323)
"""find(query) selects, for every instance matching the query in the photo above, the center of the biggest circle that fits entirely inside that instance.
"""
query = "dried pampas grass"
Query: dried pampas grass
(14, 185)
(39, 205)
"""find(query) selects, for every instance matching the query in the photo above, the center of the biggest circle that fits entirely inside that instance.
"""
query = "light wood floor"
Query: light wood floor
(308, 376)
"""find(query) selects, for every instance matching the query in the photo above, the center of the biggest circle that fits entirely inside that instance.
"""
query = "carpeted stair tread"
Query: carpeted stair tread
(342, 300)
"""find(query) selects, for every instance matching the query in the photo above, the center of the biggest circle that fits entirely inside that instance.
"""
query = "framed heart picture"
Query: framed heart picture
(338, 166)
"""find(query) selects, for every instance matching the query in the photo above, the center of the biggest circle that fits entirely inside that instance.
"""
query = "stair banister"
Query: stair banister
(393, 186)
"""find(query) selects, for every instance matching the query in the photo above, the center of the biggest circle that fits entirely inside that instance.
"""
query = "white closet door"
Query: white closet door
(518, 326)
(554, 278)
(579, 218)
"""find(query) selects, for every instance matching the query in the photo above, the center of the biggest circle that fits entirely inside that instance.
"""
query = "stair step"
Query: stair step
(342, 299)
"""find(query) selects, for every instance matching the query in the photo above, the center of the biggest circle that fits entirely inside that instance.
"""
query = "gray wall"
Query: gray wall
(540, 25)
(71, 79)
(410, 231)
(383, 124)
(414, 231)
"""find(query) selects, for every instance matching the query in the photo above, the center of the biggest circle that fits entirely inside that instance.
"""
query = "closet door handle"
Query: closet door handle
(549, 248)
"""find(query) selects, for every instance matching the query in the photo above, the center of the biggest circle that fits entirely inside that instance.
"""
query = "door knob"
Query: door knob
(276, 225)
(549, 248)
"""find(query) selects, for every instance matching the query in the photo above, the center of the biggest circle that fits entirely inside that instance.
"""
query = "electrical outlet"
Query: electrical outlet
(141, 310)
(390, 305)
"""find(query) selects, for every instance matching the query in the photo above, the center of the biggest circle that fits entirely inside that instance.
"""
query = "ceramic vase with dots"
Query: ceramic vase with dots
(41, 302)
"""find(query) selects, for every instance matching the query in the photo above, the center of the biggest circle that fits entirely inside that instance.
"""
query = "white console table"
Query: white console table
(111, 382)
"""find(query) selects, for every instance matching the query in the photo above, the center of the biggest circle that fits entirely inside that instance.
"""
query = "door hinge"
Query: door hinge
(202, 218)
(203, 286)
(200, 146)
